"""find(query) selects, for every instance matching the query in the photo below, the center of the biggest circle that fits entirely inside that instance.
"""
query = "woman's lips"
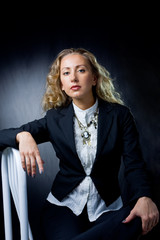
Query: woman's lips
(75, 88)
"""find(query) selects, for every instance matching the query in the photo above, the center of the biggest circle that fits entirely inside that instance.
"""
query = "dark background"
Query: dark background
(127, 44)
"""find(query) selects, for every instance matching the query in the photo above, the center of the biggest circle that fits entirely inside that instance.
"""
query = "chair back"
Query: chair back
(14, 181)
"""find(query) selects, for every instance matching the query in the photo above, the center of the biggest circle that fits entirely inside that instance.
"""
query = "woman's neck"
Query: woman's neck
(84, 104)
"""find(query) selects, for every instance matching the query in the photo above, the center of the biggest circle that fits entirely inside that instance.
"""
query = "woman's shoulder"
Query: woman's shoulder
(53, 112)
(116, 107)
(58, 112)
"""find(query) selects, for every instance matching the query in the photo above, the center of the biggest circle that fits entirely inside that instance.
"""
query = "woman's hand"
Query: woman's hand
(29, 153)
(146, 209)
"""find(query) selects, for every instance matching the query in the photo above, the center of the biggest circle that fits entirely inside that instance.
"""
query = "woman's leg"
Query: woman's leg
(110, 227)
(60, 223)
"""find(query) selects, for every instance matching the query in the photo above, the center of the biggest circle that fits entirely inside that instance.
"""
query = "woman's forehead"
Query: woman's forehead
(72, 60)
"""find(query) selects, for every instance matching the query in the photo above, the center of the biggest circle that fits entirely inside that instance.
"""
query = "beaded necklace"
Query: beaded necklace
(86, 135)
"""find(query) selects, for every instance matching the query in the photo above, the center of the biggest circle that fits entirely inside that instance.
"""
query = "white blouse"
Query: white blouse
(86, 192)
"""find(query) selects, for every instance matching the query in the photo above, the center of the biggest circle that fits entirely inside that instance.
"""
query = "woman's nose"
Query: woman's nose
(74, 77)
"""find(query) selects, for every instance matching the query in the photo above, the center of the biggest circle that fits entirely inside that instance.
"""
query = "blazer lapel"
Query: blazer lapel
(105, 119)
(67, 126)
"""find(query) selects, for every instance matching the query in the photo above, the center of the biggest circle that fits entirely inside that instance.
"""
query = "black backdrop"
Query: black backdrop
(127, 46)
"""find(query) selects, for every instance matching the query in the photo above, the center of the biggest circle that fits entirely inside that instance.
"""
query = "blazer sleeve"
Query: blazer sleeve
(135, 169)
(37, 128)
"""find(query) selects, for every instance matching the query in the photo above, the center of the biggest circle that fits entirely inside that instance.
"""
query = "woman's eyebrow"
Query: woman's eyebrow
(81, 65)
(65, 68)
(77, 66)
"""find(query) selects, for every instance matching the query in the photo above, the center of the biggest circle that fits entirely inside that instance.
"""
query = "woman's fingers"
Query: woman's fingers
(28, 162)
(147, 226)
(23, 162)
(28, 165)
(33, 166)
(146, 209)
(40, 163)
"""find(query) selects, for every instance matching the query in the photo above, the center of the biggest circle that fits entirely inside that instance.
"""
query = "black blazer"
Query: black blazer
(117, 139)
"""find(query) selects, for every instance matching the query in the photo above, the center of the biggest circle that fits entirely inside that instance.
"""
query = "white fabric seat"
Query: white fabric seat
(14, 181)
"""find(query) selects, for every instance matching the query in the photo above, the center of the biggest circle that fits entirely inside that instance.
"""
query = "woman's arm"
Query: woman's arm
(37, 128)
(26, 139)
(137, 178)
(135, 169)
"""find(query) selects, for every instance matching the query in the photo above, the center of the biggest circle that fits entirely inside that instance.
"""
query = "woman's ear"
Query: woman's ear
(94, 80)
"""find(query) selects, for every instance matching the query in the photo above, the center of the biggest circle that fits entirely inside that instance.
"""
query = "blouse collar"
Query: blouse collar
(88, 110)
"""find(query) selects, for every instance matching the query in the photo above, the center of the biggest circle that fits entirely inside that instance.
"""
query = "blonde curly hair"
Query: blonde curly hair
(55, 97)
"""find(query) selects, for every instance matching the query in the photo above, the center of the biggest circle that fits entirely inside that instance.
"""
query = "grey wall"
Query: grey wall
(125, 48)
(22, 85)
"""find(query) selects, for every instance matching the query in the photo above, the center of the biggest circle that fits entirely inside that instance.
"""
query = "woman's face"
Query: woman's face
(76, 77)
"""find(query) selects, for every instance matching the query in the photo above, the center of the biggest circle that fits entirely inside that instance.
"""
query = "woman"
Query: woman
(90, 130)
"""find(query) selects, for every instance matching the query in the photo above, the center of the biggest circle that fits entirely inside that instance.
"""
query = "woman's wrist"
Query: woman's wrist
(21, 135)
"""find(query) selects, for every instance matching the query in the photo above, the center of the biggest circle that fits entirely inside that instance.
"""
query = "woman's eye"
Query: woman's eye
(81, 70)
(66, 73)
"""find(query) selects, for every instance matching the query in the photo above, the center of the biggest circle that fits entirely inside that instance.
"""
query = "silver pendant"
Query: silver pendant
(86, 137)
